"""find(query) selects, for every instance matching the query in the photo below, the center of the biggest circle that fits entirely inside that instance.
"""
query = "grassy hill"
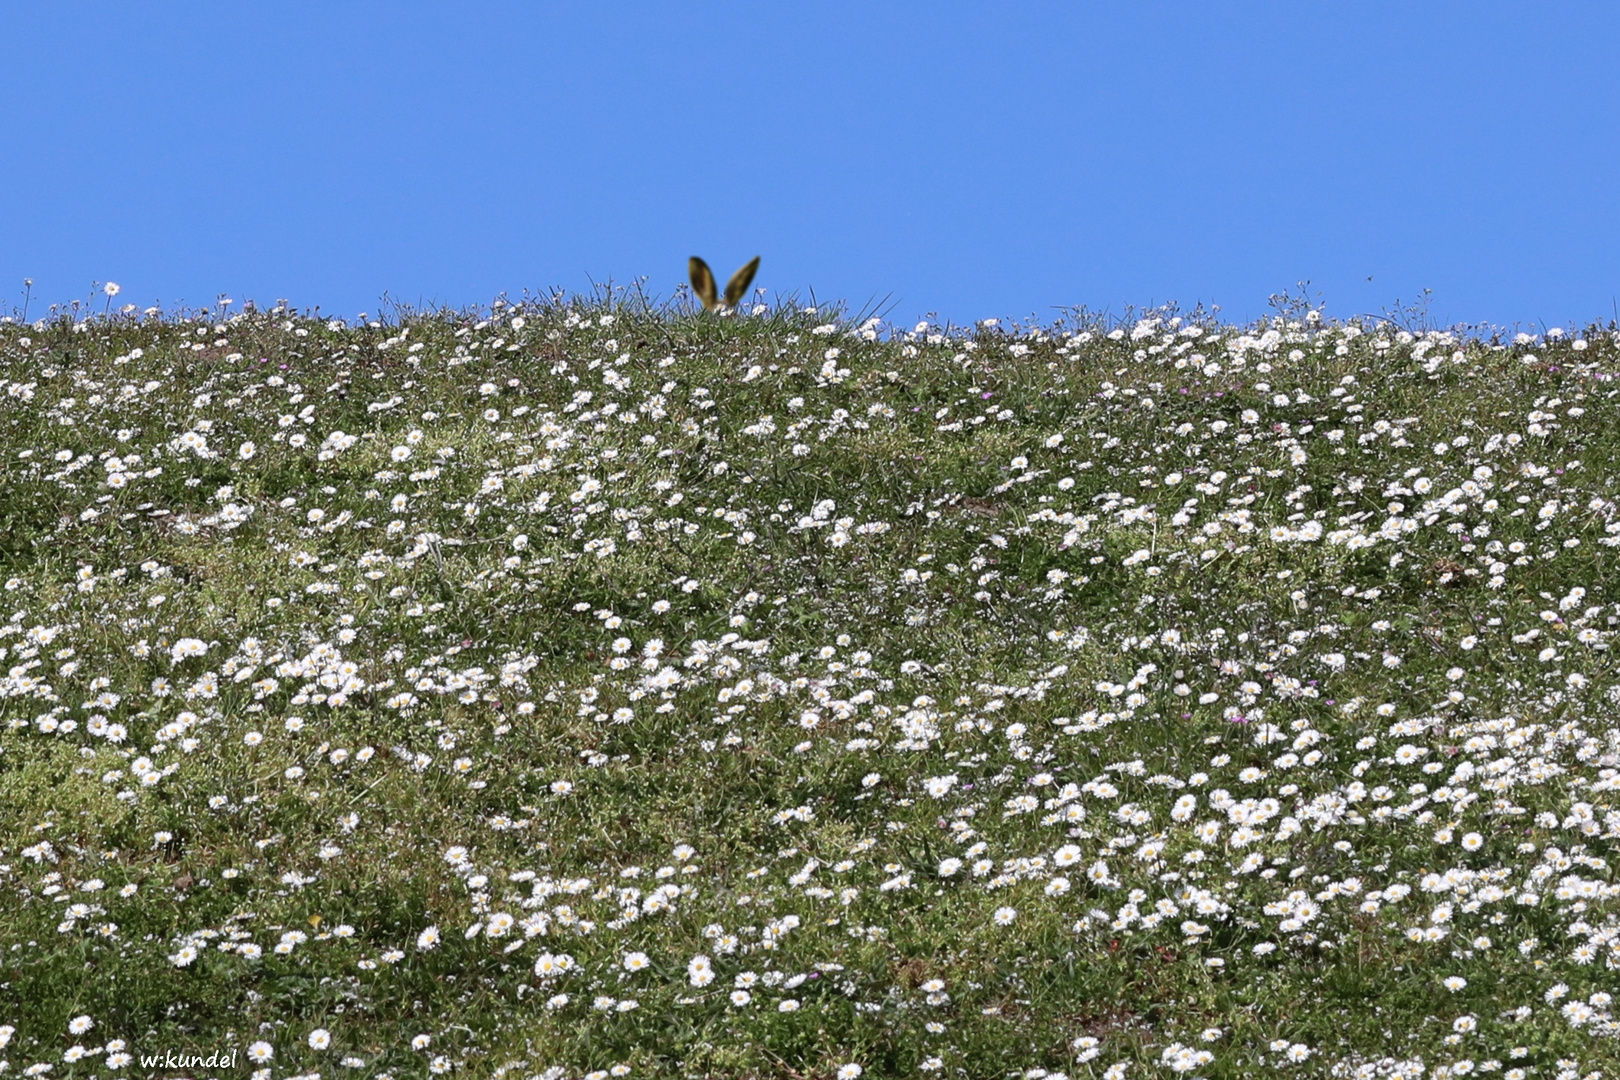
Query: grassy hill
(571, 690)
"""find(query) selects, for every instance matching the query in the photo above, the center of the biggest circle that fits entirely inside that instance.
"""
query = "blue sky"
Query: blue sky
(966, 160)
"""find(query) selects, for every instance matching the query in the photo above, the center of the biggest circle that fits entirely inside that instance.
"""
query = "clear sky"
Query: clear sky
(969, 160)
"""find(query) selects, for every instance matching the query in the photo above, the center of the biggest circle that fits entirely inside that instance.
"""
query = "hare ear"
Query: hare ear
(737, 287)
(702, 282)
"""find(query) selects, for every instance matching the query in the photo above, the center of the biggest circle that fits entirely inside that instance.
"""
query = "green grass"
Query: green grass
(1043, 698)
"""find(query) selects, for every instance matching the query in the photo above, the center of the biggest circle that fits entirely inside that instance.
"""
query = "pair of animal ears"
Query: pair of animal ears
(736, 288)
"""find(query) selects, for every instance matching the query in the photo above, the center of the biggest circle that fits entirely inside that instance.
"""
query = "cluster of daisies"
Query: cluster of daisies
(575, 692)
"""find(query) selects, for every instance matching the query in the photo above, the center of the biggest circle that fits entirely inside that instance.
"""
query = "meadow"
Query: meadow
(579, 688)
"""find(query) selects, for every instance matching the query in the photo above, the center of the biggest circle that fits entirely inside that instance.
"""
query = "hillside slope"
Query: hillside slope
(568, 690)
